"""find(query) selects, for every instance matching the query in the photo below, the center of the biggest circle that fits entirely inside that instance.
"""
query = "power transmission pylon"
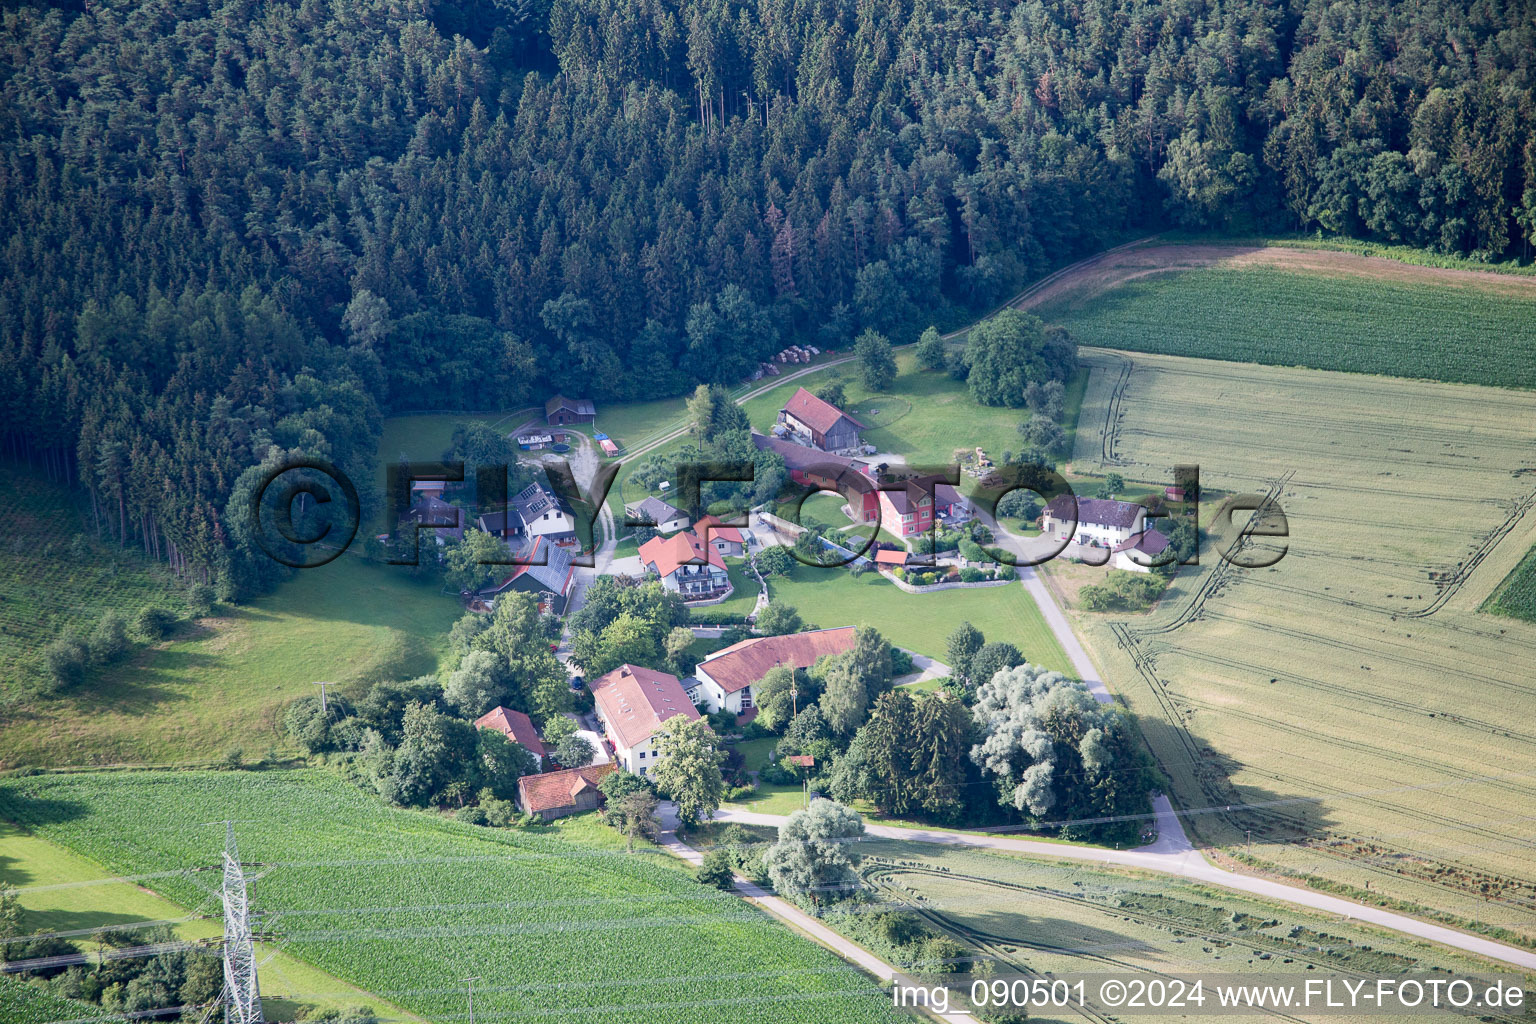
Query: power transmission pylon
(242, 1002)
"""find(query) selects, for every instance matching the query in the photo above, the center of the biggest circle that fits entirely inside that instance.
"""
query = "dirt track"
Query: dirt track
(1128, 264)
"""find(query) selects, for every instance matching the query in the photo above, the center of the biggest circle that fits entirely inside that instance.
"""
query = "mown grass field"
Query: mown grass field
(1468, 333)
(1349, 702)
(1516, 595)
(920, 622)
(58, 577)
(1046, 918)
(924, 416)
(403, 904)
(62, 891)
(224, 681)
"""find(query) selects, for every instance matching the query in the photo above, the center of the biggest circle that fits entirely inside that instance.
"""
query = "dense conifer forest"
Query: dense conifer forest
(232, 228)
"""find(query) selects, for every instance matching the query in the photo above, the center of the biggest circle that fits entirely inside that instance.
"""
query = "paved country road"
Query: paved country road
(1173, 855)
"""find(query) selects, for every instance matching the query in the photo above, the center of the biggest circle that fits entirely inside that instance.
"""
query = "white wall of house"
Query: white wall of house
(1124, 561)
(1087, 533)
(715, 697)
(550, 522)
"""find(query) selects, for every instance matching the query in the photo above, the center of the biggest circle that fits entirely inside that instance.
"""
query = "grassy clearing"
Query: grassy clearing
(1047, 917)
(61, 891)
(57, 577)
(1264, 315)
(1516, 595)
(1350, 693)
(399, 902)
(920, 622)
(925, 415)
(225, 681)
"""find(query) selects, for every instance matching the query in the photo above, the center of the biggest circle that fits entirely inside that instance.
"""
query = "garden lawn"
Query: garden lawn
(403, 903)
(741, 602)
(225, 681)
(61, 891)
(921, 622)
(924, 416)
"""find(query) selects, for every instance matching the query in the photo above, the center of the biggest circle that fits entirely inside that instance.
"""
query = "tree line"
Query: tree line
(234, 228)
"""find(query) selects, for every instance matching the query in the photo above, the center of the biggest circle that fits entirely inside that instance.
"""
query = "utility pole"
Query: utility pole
(1250, 840)
(471, 982)
(322, 686)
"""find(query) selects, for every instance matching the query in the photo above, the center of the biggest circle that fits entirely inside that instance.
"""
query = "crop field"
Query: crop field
(225, 682)
(1479, 334)
(1039, 917)
(404, 904)
(61, 891)
(57, 577)
(1516, 596)
(1348, 704)
(22, 1003)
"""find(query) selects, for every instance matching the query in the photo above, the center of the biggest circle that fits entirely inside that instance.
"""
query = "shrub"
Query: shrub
(944, 956)
(900, 928)
(470, 815)
(736, 794)
(234, 757)
(498, 813)
(200, 597)
(776, 774)
(718, 870)
(66, 659)
(153, 623)
(901, 662)
(970, 574)
(109, 640)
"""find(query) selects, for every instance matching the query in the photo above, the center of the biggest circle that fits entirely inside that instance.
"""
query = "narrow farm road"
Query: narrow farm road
(791, 914)
(1173, 855)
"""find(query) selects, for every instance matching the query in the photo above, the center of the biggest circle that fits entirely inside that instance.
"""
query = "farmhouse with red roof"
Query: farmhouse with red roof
(728, 675)
(634, 703)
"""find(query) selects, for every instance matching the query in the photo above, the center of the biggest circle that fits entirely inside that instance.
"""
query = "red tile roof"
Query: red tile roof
(635, 701)
(813, 412)
(682, 548)
(559, 789)
(711, 525)
(742, 664)
(889, 556)
(514, 725)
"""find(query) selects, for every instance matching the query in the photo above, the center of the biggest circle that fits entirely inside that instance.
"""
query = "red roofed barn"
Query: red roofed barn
(557, 794)
(824, 424)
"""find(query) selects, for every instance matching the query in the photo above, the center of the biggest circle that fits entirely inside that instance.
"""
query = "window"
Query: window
(642, 755)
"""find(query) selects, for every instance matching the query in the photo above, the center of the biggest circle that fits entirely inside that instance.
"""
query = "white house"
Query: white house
(687, 565)
(663, 516)
(545, 515)
(633, 703)
(728, 675)
(1140, 552)
(1100, 521)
